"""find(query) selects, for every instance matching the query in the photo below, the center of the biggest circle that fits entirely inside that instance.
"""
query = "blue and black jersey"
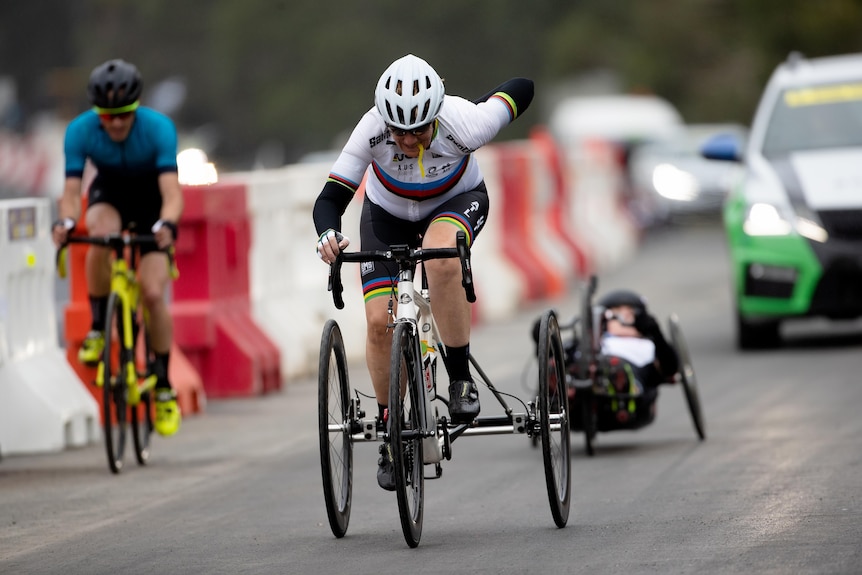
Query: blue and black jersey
(149, 150)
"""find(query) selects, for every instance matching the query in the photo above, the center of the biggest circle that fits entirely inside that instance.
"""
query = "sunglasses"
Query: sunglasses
(609, 315)
(415, 131)
(121, 116)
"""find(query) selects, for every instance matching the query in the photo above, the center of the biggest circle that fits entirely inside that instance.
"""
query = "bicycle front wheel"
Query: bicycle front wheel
(114, 386)
(553, 414)
(406, 403)
(335, 417)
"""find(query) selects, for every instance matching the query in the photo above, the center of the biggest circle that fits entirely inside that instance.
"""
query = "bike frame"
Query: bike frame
(124, 283)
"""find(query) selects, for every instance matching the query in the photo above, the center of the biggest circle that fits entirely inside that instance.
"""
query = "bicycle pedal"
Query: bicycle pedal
(438, 472)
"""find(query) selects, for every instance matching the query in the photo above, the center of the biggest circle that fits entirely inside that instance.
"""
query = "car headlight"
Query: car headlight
(811, 230)
(765, 220)
(674, 184)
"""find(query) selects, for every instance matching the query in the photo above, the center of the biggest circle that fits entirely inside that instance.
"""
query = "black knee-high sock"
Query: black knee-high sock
(160, 368)
(457, 363)
(98, 310)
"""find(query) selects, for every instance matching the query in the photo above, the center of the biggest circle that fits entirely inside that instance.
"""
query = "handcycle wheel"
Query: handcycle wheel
(114, 386)
(141, 417)
(588, 417)
(553, 417)
(334, 416)
(406, 405)
(688, 378)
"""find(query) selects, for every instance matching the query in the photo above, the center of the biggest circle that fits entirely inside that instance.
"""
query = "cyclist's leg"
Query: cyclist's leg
(154, 277)
(102, 218)
(154, 274)
(466, 212)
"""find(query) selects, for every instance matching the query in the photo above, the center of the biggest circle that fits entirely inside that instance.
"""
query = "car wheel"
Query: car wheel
(757, 335)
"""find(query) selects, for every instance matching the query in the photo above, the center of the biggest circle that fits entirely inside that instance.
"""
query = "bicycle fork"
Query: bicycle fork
(435, 444)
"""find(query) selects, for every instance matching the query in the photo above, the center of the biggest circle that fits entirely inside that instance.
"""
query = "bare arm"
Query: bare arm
(69, 207)
(172, 206)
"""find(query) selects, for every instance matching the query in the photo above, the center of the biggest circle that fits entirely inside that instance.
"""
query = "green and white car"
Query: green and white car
(794, 221)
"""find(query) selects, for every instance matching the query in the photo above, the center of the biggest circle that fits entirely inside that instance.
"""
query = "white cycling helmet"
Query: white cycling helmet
(416, 105)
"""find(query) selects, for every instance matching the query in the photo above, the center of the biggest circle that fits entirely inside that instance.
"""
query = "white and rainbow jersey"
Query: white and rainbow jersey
(411, 188)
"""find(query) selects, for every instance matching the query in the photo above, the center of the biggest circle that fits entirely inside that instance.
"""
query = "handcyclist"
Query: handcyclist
(634, 354)
(134, 150)
(424, 184)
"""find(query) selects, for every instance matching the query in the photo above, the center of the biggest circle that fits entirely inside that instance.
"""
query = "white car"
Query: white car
(677, 180)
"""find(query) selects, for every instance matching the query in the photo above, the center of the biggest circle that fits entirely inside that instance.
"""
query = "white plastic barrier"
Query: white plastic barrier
(597, 211)
(500, 287)
(44, 407)
(288, 281)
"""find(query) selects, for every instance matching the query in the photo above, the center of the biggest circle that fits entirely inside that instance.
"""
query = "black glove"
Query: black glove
(664, 353)
(647, 325)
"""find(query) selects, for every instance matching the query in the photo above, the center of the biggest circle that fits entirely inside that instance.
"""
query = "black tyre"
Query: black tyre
(553, 415)
(757, 335)
(406, 415)
(142, 427)
(687, 377)
(114, 387)
(588, 416)
(141, 415)
(335, 420)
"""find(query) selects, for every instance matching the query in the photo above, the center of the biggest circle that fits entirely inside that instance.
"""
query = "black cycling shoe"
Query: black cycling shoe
(385, 468)
(463, 401)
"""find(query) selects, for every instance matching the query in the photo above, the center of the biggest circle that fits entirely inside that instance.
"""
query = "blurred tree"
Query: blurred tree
(295, 75)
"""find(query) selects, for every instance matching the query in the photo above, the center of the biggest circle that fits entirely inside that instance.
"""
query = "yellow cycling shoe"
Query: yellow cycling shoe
(168, 414)
(92, 348)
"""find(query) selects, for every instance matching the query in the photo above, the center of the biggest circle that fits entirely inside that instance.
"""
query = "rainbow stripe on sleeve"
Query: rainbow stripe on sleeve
(509, 103)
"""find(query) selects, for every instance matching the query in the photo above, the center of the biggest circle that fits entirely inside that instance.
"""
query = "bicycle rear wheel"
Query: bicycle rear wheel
(114, 387)
(142, 427)
(141, 415)
(335, 417)
(553, 414)
(405, 430)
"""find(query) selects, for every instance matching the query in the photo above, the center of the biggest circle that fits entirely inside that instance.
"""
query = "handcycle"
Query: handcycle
(418, 434)
(127, 392)
(594, 402)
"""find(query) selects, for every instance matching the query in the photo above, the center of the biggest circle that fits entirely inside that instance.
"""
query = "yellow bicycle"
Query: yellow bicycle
(127, 393)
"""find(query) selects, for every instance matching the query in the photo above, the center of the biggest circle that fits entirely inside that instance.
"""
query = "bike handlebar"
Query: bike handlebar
(404, 255)
(115, 241)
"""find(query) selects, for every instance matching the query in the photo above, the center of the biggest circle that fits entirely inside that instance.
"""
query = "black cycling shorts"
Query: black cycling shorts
(379, 229)
(138, 201)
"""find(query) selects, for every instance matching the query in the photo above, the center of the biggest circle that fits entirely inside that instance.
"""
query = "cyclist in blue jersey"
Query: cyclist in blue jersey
(134, 151)
(423, 185)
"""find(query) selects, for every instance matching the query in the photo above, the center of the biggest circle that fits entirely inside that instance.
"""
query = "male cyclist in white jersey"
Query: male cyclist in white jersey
(424, 185)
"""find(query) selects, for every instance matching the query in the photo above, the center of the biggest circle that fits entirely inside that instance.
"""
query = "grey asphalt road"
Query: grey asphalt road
(776, 488)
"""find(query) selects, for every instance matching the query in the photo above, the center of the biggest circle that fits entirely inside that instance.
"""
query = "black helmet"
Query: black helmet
(624, 297)
(114, 84)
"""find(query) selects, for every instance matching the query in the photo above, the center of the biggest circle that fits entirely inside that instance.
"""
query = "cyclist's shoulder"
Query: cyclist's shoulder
(86, 121)
(150, 117)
